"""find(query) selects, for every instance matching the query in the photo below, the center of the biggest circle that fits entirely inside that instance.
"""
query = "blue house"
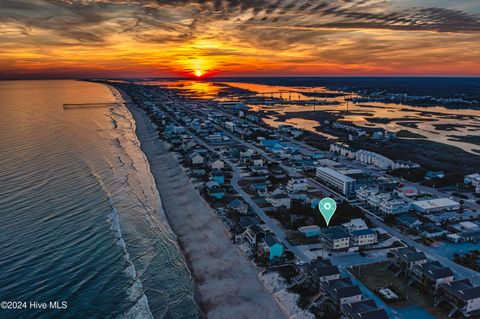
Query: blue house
(272, 247)
(314, 203)
(214, 190)
(259, 186)
(218, 177)
(310, 231)
(434, 175)
(317, 156)
(269, 143)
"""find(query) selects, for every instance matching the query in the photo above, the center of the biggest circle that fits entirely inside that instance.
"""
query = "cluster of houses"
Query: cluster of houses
(433, 278)
(426, 216)
(474, 181)
(259, 241)
(349, 236)
(203, 164)
(339, 295)
(370, 158)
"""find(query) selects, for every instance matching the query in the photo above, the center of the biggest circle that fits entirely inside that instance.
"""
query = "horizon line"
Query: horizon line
(237, 77)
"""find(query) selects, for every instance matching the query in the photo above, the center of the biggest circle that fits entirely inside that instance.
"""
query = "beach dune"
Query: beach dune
(227, 284)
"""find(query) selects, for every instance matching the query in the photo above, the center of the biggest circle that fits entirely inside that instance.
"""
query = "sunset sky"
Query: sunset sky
(171, 38)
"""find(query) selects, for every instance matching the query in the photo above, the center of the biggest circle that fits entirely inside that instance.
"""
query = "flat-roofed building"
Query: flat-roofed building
(435, 205)
(337, 181)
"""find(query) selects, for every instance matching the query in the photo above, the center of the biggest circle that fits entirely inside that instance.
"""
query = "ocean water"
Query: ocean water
(80, 218)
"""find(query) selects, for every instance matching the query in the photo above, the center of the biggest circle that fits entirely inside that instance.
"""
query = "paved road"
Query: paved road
(267, 220)
(460, 271)
(246, 197)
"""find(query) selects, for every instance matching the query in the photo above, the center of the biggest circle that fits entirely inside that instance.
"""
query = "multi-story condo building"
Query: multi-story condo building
(339, 182)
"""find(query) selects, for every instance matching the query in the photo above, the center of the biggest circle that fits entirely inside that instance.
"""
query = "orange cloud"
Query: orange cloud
(132, 38)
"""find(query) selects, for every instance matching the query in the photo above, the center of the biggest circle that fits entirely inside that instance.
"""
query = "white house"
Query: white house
(218, 164)
(280, 200)
(296, 185)
(342, 291)
(335, 238)
(196, 158)
(355, 224)
(258, 161)
(461, 295)
(394, 206)
(363, 237)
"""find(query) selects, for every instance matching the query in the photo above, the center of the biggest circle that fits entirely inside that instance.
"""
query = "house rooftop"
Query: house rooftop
(363, 232)
(256, 229)
(374, 314)
(271, 240)
(247, 221)
(410, 254)
(462, 289)
(312, 228)
(333, 233)
(342, 288)
(335, 174)
(435, 203)
(434, 270)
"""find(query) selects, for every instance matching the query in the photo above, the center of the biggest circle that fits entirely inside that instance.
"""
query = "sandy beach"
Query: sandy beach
(227, 285)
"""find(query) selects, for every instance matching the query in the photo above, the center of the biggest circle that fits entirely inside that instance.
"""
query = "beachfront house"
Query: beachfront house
(341, 291)
(431, 274)
(218, 176)
(238, 206)
(251, 235)
(462, 296)
(321, 270)
(214, 190)
(407, 258)
(196, 158)
(364, 309)
(270, 247)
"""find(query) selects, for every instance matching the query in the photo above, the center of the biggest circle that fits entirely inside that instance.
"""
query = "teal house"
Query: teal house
(273, 247)
(215, 191)
(218, 177)
(310, 231)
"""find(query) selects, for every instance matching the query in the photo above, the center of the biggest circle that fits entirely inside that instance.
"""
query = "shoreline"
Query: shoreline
(225, 282)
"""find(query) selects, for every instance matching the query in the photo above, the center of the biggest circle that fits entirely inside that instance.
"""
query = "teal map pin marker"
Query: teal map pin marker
(327, 207)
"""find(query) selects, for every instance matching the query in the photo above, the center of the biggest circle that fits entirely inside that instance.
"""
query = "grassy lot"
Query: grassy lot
(376, 276)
